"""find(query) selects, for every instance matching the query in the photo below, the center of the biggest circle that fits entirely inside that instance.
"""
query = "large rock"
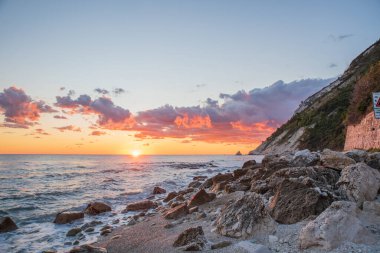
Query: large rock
(357, 154)
(177, 211)
(158, 190)
(170, 196)
(201, 197)
(276, 162)
(97, 208)
(141, 205)
(359, 182)
(373, 160)
(222, 178)
(244, 217)
(7, 225)
(191, 239)
(337, 224)
(296, 200)
(305, 158)
(335, 160)
(88, 249)
(249, 164)
(66, 217)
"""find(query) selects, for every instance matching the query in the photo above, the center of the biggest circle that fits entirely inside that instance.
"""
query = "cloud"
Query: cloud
(340, 37)
(59, 117)
(102, 91)
(19, 110)
(242, 117)
(69, 128)
(41, 131)
(333, 65)
(110, 116)
(97, 133)
(118, 91)
(200, 85)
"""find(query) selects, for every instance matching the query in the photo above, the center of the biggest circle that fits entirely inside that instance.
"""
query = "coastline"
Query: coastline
(155, 233)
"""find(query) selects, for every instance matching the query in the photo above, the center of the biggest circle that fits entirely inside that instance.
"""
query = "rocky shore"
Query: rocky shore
(295, 202)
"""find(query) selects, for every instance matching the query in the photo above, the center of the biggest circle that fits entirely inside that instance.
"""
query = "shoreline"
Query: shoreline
(155, 233)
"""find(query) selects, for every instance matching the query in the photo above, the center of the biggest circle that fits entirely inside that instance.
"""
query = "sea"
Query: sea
(34, 188)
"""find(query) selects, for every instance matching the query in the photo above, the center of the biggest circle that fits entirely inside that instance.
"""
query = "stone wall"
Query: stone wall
(364, 135)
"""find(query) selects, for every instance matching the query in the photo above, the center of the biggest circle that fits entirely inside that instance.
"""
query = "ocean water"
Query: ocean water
(34, 188)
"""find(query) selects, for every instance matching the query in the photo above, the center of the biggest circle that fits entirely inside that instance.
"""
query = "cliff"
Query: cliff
(336, 116)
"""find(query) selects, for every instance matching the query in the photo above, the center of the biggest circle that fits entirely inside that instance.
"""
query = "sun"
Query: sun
(136, 153)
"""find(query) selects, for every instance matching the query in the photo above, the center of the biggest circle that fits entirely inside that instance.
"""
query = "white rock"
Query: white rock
(359, 182)
(249, 247)
(337, 224)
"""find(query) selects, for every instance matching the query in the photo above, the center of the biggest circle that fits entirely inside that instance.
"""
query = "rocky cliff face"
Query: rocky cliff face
(323, 119)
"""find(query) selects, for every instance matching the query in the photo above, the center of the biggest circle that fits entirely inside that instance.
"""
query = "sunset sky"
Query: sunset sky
(167, 77)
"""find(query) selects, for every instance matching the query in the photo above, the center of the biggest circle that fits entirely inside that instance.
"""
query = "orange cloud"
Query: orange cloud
(193, 122)
(97, 133)
(69, 128)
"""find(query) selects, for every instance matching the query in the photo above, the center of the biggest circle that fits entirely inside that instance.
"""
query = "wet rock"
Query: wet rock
(89, 230)
(105, 227)
(244, 217)
(73, 231)
(91, 224)
(201, 197)
(296, 200)
(373, 160)
(249, 164)
(179, 198)
(335, 160)
(131, 221)
(206, 184)
(199, 178)
(219, 186)
(105, 232)
(88, 249)
(337, 224)
(49, 251)
(170, 196)
(177, 212)
(221, 244)
(239, 173)
(305, 158)
(359, 182)
(191, 239)
(7, 225)
(141, 205)
(66, 217)
(158, 190)
(97, 208)
(194, 184)
(357, 154)
(186, 191)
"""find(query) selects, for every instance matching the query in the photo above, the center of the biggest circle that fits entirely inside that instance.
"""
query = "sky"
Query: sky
(167, 77)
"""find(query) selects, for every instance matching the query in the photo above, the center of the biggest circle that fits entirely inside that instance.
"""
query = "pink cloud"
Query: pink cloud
(97, 133)
(19, 110)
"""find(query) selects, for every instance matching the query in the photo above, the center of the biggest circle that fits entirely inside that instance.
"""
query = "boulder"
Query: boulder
(7, 225)
(206, 184)
(335, 160)
(86, 248)
(158, 190)
(239, 172)
(222, 178)
(249, 164)
(373, 160)
(141, 205)
(372, 207)
(305, 158)
(357, 154)
(337, 224)
(194, 184)
(296, 200)
(359, 182)
(177, 212)
(170, 196)
(97, 208)
(73, 231)
(276, 162)
(244, 217)
(66, 217)
(191, 239)
(219, 186)
(201, 197)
